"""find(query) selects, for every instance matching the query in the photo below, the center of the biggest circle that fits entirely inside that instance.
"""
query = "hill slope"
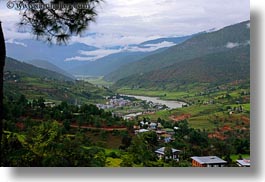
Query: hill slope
(108, 64)
(49, 66)
(215, 68)
(22, 78)
(197, 46)
(15, 66)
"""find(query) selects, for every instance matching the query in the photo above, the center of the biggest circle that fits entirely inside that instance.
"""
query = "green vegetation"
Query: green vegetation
(67, 135)
(18, 67)
(99, 81)
(235, 157)
(202, 72)
(213, 69)
(228, 103)
(78, 92)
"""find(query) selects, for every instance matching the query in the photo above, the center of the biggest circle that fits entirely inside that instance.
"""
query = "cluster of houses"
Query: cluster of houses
(8, 76)
(237, 109)
(115, 103)
(199, 161)
(202, 161)
(164, 134)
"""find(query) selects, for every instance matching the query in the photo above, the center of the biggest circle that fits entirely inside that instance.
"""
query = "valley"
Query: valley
(193, 96)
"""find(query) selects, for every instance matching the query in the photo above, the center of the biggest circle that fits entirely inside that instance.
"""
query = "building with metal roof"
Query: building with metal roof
(207, 161)
(161, 153)
(243, 163)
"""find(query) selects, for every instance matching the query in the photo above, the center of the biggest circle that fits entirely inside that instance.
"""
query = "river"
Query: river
(169, 104)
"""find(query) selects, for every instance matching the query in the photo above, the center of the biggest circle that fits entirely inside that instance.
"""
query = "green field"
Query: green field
(99, 81)
(236, 156)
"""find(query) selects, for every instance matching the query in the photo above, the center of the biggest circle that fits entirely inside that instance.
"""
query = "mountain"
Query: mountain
(25, 50)
(216, 68)
(112, 62)
(176, 40)
(197, 46)
(49, 66)
(108, 64)
(15, 66)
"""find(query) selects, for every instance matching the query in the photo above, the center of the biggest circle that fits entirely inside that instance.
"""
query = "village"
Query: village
(128, 107)
(166, 135)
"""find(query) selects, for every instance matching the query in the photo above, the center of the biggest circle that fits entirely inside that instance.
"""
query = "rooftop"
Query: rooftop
(244, 162)
(208, 160)
(162, 150)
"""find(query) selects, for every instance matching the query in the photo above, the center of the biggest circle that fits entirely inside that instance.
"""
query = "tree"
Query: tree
(2, 64)
(168, 154)
(53, 26)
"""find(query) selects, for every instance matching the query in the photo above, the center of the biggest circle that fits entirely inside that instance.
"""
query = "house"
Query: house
(169, 131)
(161, 154)
(49, 104)
(141, 131)
(152, 126)
(166, 137)
(243, 163)
(207, 161)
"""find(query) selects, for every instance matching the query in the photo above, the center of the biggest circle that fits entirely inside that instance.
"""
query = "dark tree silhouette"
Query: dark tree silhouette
(2, 64)
(58, 25)
(51, 25)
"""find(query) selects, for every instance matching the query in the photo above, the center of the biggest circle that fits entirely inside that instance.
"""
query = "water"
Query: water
(169, 104)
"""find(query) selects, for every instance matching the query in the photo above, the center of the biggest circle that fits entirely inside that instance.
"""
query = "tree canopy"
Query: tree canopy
(58, 25)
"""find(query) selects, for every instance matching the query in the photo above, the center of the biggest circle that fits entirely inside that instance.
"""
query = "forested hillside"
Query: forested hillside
(198, 46)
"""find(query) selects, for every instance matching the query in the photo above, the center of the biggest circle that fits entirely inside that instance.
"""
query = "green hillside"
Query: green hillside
(27, 69)
(198, 46)
(22, 78)
(49, 66)
(215, 68)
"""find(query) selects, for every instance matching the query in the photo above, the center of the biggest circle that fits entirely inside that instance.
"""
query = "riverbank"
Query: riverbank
(163, 95)
(168, 103)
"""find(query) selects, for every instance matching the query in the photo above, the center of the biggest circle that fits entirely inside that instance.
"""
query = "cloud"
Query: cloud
(125, 22)
(78, 58)
(100, 53)
(142, 19)
(150, 47)
(12, 41)
(231, 45)
(93, 55)
(248, 25)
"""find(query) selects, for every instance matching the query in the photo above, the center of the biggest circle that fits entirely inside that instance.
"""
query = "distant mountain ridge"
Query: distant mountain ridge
(197, 46)
(112, 62)
(26, 50)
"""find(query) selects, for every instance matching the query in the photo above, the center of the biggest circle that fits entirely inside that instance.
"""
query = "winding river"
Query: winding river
(169, 104)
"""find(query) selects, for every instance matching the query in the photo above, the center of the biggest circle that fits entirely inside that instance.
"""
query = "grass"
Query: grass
(111, 162)
(235, 157)
(111, 141)
(246, 107)
(163, 114)
(98, 81)
(201, 122)
(202, 116)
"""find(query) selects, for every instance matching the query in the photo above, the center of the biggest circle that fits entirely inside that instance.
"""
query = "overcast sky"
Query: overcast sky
(124, 22)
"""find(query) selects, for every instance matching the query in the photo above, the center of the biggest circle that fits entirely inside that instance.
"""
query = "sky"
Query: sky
(126, 22)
